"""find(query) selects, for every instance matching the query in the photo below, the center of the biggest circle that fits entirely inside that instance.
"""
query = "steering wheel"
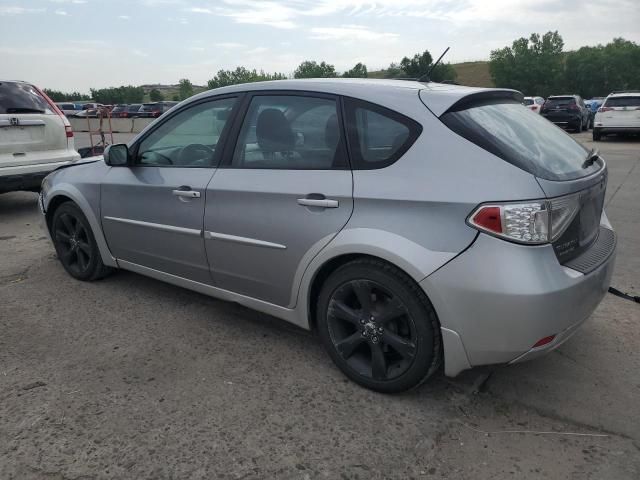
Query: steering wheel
(194, 154)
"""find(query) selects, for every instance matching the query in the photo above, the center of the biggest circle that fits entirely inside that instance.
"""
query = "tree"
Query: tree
(358, 71)
(185, 89)
(394, 71)
(115, 95)
(58, 96)
(534, 66)
(418, 65)
(242, 75)
(312, 69)
(155, 95)
(176, 97)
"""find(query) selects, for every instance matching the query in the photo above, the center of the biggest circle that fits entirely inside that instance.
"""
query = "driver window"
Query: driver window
(188, 139)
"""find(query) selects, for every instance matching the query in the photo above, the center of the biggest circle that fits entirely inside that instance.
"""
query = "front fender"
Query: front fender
(414, 259)
(73, 193)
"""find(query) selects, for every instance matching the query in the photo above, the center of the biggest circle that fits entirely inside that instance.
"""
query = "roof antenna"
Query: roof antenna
(427, 76)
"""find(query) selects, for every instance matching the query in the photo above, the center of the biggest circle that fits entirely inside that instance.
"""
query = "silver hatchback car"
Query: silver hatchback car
(409, 224)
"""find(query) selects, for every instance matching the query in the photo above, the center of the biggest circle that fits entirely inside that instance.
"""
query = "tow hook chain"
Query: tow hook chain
(626, 296)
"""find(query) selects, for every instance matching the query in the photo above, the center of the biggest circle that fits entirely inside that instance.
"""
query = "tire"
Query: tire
(378, 326)
(597, 136)
(75, 244)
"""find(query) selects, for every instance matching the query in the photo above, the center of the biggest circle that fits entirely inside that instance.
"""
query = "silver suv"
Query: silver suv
(408, 224)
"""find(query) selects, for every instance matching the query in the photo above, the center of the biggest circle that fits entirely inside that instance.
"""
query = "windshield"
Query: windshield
(626, 101)
(522, 138)
(17, 97)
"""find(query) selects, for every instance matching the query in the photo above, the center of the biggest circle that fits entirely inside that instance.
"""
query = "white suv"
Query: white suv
(35, 137)
(620, 113)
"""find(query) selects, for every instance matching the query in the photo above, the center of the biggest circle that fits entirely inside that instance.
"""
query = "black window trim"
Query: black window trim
(357, 161)
(243, 110)
(218, 155)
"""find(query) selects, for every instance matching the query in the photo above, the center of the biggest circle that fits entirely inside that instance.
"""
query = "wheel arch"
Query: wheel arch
(68, 193)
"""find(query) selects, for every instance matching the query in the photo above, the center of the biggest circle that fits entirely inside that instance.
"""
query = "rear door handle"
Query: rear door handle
(323, 203)
(183, 192)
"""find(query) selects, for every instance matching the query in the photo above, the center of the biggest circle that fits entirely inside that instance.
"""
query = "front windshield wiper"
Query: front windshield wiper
(24, 110)
(591, 158)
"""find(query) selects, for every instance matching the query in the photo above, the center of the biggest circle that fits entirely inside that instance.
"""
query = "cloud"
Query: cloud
(11, 10)
(350, 32)
(76, 2)
(180, 20)
(124, 17)
(61, 13)
(256, 51)
(139, 53)
(199, 10)
(229, 45)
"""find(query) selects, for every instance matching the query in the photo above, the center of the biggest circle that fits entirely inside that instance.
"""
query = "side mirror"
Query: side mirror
(116, 155)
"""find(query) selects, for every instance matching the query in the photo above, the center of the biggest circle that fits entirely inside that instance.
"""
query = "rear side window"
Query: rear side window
(623, 101)
(527, 101)
(517, 135)
(378, 136)
(16, 97)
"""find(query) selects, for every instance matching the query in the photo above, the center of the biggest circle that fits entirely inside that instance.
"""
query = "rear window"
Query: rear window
(527, 101)
(522, 138)
(150, 107)
(623, 102)
(16, 97)
(560, 101)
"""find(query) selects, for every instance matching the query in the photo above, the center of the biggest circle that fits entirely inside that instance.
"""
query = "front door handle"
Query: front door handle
(317, 202)
(184, 192)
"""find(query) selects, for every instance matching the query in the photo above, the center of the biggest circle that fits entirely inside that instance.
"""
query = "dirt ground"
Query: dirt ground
(131, 378)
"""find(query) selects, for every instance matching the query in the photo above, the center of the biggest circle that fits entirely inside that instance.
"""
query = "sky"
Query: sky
(77, 44)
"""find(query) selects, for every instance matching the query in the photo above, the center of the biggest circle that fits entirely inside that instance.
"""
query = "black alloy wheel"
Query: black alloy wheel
(75, 244)
(378, 326)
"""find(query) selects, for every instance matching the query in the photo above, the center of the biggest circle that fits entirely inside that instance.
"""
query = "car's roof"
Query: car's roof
(438, 96)
(624, 94)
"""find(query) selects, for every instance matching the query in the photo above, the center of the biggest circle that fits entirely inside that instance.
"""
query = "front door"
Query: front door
(152, 211)
(283, 194)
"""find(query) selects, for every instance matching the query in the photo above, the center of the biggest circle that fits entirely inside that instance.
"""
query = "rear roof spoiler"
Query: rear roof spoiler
(487, 96)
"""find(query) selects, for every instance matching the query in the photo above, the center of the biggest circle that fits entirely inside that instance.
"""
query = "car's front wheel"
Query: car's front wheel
(75, 244)
(378, 326)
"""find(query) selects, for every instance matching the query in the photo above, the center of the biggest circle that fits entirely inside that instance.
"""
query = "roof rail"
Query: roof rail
(625, 91)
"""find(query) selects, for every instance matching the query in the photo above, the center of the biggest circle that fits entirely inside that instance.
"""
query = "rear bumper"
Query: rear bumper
(500, 298)
(29, 177)
(606, 130)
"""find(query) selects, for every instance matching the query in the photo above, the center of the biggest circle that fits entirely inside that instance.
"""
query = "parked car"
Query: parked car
(533, 103)
(132, 111)
(35, 137)
(119, 111)
(567, 111)
(154, 109)
(69, 109)
(619, 114)
(456, 227)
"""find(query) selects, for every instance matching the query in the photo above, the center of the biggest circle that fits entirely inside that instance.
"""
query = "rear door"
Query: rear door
(284, 193)
(152, 211)
(622, 111)
(28, 126)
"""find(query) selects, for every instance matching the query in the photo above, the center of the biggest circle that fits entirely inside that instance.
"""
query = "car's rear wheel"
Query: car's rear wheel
(378, 326)
(75, 244)
(597, 136)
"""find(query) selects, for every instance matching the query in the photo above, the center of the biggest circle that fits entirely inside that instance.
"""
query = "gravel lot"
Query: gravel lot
(131, 378)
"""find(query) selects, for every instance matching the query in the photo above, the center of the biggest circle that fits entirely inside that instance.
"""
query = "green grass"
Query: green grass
(474, 74)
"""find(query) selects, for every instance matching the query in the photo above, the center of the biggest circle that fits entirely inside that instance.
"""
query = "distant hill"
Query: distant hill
(473, 74)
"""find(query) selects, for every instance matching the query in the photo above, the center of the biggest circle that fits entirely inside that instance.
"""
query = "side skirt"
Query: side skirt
(265, 307)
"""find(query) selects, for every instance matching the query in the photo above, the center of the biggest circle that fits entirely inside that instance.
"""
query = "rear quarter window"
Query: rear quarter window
(377, 136)
(519, 136)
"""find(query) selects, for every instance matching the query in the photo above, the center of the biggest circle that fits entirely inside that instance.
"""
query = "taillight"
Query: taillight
(68, 130)
(605, 109)
(536, 222)
(544, 341)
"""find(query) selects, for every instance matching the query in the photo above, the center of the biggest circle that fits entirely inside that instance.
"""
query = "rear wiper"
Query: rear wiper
(591, 158)
(24, 110)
